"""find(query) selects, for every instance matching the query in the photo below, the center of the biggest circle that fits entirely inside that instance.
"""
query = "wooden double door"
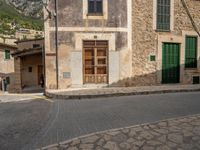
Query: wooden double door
(95, 64)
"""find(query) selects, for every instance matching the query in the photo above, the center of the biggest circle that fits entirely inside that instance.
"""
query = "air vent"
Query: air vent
(196, 80)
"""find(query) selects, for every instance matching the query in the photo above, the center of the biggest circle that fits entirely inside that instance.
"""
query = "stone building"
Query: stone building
(28, 64)
(92, 44)
(166, 47)
(121, 43)
(6, 65)
(23, 33)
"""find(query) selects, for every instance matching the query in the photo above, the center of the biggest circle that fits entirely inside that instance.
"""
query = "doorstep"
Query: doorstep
(85, 93)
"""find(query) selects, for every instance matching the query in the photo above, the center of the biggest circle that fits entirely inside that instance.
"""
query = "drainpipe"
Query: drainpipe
(44, 67)
(56, 41)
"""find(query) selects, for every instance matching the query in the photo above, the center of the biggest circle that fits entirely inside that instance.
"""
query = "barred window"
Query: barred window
(95, 6)
(163, 15)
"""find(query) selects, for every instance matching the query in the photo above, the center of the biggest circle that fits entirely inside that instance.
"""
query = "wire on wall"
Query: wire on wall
(190, 16)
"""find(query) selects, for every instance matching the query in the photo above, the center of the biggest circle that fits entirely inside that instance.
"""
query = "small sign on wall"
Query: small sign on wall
(66, 75)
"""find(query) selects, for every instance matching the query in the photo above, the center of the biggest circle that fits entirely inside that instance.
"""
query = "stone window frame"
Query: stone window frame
(104, 16)
(155, 16)
(80, 37)
(95, 10)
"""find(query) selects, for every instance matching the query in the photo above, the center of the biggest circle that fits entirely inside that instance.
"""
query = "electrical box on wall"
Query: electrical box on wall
(66, 75)
(152, 57)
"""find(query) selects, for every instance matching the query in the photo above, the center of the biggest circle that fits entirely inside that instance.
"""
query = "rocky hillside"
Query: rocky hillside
(15, 14)
(31, 8)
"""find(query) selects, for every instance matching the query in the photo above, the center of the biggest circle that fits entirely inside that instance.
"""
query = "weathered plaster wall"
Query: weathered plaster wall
(66, 42)
(72, 22)
(146, 40)
(29, 44)
(10, 41)
(6, 66)
(71, 14)
(16, 83)
(30, 78)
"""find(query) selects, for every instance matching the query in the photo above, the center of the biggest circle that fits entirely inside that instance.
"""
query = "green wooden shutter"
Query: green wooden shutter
(163, 15)
(171, 63)
(7, 54)
(191, 52)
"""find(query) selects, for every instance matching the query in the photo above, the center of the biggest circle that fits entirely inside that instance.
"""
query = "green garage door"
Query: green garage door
(171, 63)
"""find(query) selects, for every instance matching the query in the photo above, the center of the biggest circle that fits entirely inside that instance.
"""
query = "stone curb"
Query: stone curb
(113, 130)
(70, 97)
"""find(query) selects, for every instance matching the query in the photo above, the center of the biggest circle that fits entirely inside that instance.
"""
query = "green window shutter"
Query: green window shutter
(163, 15)
(7, 54)
(191, 52)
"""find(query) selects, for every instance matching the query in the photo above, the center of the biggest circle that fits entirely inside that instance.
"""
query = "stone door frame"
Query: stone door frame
(77, 58)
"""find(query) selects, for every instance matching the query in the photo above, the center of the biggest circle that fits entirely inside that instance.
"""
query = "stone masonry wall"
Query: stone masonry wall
(145, 39)
(144, 43)
(16, 83)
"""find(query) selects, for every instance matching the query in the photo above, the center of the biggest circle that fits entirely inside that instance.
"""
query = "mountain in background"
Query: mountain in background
(16, 14)
(31, 8)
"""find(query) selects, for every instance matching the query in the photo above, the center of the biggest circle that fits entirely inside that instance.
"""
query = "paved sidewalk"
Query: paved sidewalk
(74, 93)
(180, 134)
(7, 98)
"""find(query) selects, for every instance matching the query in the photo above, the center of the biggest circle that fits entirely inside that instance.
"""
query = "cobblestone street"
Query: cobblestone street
(177, 134)
(27, 124)
(75, 118)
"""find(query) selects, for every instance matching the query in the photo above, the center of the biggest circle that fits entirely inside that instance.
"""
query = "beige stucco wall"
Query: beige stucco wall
(22, 78)
(29, 44)
(6, 66)
(30, 78)
(8, 40)
(146, 41)
(16, 84)
(113, 26)
(28, 34)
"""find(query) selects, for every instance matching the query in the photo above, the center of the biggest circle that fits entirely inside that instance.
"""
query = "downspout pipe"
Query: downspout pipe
(44, 67)
(56, 42)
